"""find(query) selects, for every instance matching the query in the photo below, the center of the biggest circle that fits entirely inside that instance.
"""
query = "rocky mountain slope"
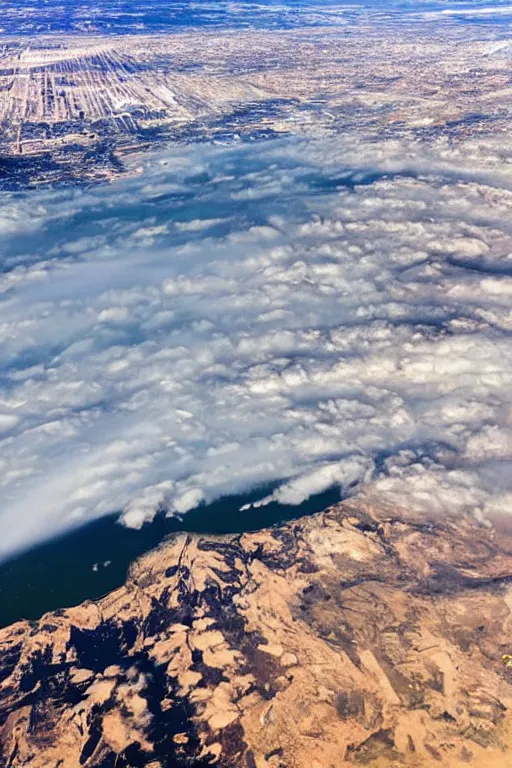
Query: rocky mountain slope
(354, 637)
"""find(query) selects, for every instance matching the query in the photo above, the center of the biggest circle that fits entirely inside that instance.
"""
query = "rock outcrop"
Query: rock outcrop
(359, 636)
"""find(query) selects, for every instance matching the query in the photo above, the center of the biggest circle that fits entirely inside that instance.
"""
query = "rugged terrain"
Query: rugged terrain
(350, 637)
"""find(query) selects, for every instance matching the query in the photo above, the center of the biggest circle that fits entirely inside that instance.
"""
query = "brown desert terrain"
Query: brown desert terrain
(359, 636)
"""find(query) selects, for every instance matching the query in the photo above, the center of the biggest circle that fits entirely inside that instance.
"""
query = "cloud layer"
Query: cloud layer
(314, 313)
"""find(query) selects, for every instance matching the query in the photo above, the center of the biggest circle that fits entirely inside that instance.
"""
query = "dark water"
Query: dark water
(62, 572)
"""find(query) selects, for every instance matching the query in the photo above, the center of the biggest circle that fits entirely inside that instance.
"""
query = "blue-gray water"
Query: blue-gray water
(71, 569)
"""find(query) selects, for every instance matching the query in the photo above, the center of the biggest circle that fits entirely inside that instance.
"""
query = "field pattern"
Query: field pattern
(72, 107)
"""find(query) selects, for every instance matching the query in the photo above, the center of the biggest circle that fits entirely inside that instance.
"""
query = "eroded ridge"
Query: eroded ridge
(356, 636)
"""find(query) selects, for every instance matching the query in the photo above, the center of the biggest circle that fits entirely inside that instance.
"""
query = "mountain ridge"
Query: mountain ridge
(361, 635)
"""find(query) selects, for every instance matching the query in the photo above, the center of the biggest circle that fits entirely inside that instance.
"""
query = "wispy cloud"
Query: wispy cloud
(315, 313)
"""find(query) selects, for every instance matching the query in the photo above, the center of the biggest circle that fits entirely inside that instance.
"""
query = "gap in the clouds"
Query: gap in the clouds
(68, 570)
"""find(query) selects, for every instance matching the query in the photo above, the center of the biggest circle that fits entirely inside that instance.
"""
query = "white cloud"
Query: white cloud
(490, 10)
(275, 324)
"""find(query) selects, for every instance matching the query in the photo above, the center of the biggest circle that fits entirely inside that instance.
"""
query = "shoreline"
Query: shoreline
(91, 561)
(361, 634)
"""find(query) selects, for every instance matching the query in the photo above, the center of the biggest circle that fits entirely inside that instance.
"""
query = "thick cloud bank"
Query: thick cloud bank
(314, 313)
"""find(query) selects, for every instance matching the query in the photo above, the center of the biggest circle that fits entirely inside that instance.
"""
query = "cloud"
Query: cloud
(312, 313)
(486, 11)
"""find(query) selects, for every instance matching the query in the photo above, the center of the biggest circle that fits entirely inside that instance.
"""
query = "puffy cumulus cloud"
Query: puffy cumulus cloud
(316, 314)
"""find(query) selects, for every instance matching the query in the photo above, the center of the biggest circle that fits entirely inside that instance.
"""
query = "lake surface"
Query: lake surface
(94, 560)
